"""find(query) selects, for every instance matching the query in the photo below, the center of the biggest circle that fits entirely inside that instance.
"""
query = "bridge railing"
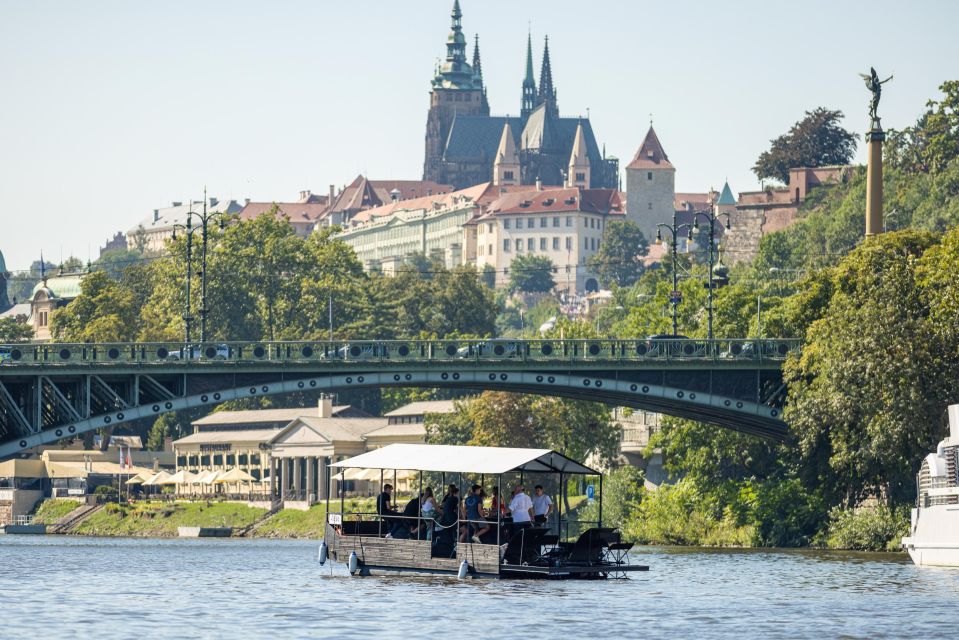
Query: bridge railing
(364, 351)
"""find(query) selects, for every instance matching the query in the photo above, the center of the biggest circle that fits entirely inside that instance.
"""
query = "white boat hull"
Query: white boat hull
(935, 536)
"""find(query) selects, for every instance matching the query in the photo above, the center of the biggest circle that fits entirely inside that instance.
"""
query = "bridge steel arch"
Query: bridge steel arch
(43, 401)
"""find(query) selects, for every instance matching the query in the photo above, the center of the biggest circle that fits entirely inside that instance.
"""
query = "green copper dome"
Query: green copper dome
(63, 287)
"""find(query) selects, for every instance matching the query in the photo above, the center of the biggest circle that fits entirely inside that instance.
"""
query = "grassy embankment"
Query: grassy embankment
(51, 510)
(161, 520)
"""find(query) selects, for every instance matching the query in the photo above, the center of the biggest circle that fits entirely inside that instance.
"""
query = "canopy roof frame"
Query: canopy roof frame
(465, 459)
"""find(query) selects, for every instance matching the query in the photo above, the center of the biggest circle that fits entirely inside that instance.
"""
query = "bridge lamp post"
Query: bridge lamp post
(711, 218)
(673, 230)
(189, 230)
(205, 218)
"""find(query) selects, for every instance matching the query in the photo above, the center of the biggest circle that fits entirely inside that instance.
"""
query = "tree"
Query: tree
(933, 142)
(619, 259)
(163, 427)
(863, 424)
(12, 331)
(500, 419)
(105, 311)
(488, 276)
(815, 141)
(531, 274)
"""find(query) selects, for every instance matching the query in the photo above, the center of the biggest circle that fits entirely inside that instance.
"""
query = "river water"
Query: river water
(64, 587)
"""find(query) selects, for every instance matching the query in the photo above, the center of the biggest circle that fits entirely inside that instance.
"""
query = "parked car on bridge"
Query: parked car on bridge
(497, 347)
(201, 352)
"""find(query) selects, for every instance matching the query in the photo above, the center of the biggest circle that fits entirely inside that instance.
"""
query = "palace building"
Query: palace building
(462, 138)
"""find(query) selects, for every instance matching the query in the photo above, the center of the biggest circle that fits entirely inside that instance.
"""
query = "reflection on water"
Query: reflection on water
(123, 588)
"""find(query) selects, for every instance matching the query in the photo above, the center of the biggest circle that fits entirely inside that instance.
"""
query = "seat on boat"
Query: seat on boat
(591, 546)
(525, 546)
(365, 528)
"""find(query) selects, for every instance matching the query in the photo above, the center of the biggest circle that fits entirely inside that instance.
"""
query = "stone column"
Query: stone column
(284, 478)
(874, 140)
(297, 475)
(323, 489)
(310, 480)
(272, 475)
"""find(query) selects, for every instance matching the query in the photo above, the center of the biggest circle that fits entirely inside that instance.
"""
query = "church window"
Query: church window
(519, 223)
(519, 245)
(555, 243)
(649, 175)
(531, 243)
(569, 243)
(543, 222)
(506, 246)
(506, 223)
(580, 177)
(542, 244)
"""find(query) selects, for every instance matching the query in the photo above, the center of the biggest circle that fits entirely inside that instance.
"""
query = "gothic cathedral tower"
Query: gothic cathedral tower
(457, 88)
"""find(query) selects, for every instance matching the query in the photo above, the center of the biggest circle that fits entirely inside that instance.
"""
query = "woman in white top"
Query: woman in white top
(429, 511)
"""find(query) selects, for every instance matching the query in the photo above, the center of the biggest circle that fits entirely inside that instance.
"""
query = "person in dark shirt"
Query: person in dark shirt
(384, 508)
(409, 524)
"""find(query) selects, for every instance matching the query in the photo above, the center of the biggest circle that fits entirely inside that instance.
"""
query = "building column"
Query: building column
(323, 489)
(310, 480)
(284, 479)
(272, 475)
(297, 476)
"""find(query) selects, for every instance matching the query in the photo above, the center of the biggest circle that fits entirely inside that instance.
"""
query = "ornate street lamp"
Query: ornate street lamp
(711, 217)
(674, 296)
(205, 218)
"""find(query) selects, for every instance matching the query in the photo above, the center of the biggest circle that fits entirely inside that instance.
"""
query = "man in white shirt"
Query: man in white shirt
(522, 509)
(542, 506)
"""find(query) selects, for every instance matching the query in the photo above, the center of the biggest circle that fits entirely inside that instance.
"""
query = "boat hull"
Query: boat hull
(934, 539)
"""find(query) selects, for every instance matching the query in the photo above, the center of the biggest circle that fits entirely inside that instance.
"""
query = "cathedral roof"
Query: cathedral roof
(650, 154)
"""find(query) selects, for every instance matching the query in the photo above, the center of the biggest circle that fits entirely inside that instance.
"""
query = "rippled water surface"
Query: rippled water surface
(58, 587)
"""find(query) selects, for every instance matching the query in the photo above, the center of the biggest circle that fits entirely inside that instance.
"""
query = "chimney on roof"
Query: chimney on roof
(213, 201)
(246, 201)
(156, 215)
(177, 203)
(305, 194)
(332, 194)
(325, 406)
(539, 183)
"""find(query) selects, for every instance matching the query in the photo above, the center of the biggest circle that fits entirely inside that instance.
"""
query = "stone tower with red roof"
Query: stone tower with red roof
(650, 186)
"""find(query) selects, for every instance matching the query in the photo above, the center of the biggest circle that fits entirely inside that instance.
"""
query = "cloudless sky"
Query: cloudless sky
(110, 109)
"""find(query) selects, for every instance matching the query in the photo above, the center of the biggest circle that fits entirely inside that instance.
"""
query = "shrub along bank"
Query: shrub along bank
(161, 519)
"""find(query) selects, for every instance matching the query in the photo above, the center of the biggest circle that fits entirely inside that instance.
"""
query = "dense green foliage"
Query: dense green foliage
(499, 419)
(12, 330)
(868, 528)
(531, 273)
(619, 259)
(815, 141)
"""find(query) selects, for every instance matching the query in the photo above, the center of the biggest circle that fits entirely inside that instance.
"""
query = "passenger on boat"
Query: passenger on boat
(408, 525)
(384, 501)
(522, 509)
(542, 506)
(444, 540)
(429, 512)
(476, 524)
(497, 504)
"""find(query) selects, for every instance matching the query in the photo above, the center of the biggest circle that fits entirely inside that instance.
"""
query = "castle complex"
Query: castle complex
(463, 139)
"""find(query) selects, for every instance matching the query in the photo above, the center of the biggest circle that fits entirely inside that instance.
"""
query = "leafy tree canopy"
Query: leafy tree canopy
(619, 259)
(815, 141)
(531, 274)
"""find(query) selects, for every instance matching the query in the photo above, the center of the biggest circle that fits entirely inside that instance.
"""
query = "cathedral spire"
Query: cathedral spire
(455, 72)
(547, 93)
(579, 169)
(506, 167)
(477, 65)
(529, 82)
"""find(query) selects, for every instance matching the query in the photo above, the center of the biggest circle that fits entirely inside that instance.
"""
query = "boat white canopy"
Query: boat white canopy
(459, 459)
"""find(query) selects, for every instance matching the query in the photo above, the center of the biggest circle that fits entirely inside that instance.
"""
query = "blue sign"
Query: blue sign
(590, 492)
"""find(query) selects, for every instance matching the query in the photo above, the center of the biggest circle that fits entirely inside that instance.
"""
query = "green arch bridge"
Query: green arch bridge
(53, 391)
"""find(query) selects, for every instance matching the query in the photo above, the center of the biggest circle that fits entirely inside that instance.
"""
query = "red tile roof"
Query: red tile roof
(557, 200)
(295, 211)
(482, 194)
(650, 154)
(364, 194)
